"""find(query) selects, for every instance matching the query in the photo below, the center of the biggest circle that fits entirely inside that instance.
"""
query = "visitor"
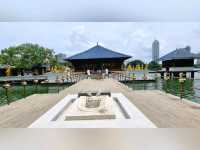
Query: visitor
(107, 72)
(88, 74)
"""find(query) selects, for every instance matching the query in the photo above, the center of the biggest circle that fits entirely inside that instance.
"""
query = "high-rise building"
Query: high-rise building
(155, 51)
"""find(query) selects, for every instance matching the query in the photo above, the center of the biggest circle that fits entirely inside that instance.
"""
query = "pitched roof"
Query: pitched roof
(181, 53)
(98, 52)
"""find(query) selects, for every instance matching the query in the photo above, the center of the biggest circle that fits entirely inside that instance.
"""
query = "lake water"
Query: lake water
(191, 88)
(16, 92)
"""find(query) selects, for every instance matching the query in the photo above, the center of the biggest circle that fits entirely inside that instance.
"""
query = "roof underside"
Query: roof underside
(98, 52)
(179, 54)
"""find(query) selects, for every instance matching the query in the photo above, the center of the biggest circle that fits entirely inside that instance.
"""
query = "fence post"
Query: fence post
(181, 86)
(24, 83)
(36, 85)
(6, 86)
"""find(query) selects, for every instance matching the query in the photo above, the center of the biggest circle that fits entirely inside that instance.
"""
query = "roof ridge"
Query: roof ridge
(81, 52)
(178, 53)
(100, 48)
(112, 50)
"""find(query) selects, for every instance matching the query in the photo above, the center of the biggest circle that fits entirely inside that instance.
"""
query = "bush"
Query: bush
(154, 66)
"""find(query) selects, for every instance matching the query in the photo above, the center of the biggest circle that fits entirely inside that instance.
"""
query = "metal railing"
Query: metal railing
(23, 78)
(13, 93)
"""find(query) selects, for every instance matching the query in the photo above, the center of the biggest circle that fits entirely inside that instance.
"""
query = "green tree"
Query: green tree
(25, 56)
(135, 62)
(10, 56)
(154, 66)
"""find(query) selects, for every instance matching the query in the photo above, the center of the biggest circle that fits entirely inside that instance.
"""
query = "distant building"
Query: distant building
(61, 57)
(155, 51)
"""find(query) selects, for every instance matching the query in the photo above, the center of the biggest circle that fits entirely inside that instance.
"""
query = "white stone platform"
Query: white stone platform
(126, 114)
(78, 110)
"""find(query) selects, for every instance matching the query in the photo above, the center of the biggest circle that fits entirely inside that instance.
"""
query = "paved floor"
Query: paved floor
(162, 109)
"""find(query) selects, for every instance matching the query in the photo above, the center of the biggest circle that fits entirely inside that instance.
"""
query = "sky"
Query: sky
(99, 10)
(133, 38)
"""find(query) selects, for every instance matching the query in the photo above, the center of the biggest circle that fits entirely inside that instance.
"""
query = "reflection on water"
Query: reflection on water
(16, 92)
(191, 87)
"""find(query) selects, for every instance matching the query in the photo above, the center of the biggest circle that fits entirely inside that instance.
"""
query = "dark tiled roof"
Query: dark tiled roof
(181, 53)
(98, 52)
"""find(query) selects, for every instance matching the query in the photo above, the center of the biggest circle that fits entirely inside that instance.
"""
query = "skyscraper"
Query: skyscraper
(155, 51)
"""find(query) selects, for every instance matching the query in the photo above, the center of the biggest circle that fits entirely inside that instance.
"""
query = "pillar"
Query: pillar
(192, 75)
(162, 75)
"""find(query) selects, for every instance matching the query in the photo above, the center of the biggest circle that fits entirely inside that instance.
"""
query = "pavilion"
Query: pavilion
(179, 61)
(98, 58)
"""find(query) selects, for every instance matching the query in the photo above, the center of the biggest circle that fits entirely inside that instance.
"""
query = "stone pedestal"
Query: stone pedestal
(92, 108)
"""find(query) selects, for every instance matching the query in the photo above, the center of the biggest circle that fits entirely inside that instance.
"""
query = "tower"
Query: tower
(155, 51)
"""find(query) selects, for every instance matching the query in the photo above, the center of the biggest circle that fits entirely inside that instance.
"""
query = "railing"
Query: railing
(182, 91)
(12, 93)
(174, 87)
(23, 78)
(74, 77)
(121, 76)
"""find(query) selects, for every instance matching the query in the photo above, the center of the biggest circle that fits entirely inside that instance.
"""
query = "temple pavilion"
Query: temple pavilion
(179, 61)
(98, 58)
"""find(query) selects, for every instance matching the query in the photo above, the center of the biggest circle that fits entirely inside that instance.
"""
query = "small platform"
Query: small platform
(127, 116)
(78, 110)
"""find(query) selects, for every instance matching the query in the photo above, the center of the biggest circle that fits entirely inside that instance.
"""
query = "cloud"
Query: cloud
(133, 38)
(99, 10)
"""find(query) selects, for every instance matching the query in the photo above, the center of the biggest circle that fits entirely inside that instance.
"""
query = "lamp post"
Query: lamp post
(181, 81)
(36, 85)
(46, 82)
(63, 80)
(133, 77)
(166, 80)
(58, 81)
(145, 76)
(6, 86)
(47, 86)
(24, 83)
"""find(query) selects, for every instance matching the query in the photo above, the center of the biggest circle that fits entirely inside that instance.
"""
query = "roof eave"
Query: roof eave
(72, 59)
(165, 59)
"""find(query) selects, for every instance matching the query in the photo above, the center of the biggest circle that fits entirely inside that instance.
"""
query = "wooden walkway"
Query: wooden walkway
(121, 76)
(162, 109)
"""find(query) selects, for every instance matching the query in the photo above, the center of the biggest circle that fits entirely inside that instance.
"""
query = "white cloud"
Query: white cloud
(134, 38)
(101, 10)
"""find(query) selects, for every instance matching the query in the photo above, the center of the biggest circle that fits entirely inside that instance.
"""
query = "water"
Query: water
(16, 92)
(191, 88)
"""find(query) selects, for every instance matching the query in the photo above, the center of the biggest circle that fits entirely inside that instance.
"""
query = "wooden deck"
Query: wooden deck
(162, 109)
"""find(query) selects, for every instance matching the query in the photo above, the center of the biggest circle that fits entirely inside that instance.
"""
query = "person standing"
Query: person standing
(88, 74)
(107, 72)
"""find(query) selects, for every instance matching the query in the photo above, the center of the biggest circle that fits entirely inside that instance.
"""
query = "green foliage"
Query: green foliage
(135, 62)
(68, 64)
(197, 65)
(27, 55)
(154, 66)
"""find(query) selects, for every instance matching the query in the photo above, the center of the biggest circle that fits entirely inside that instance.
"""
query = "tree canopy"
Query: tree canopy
(154, 66)
(135, 62)
(27, 55)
